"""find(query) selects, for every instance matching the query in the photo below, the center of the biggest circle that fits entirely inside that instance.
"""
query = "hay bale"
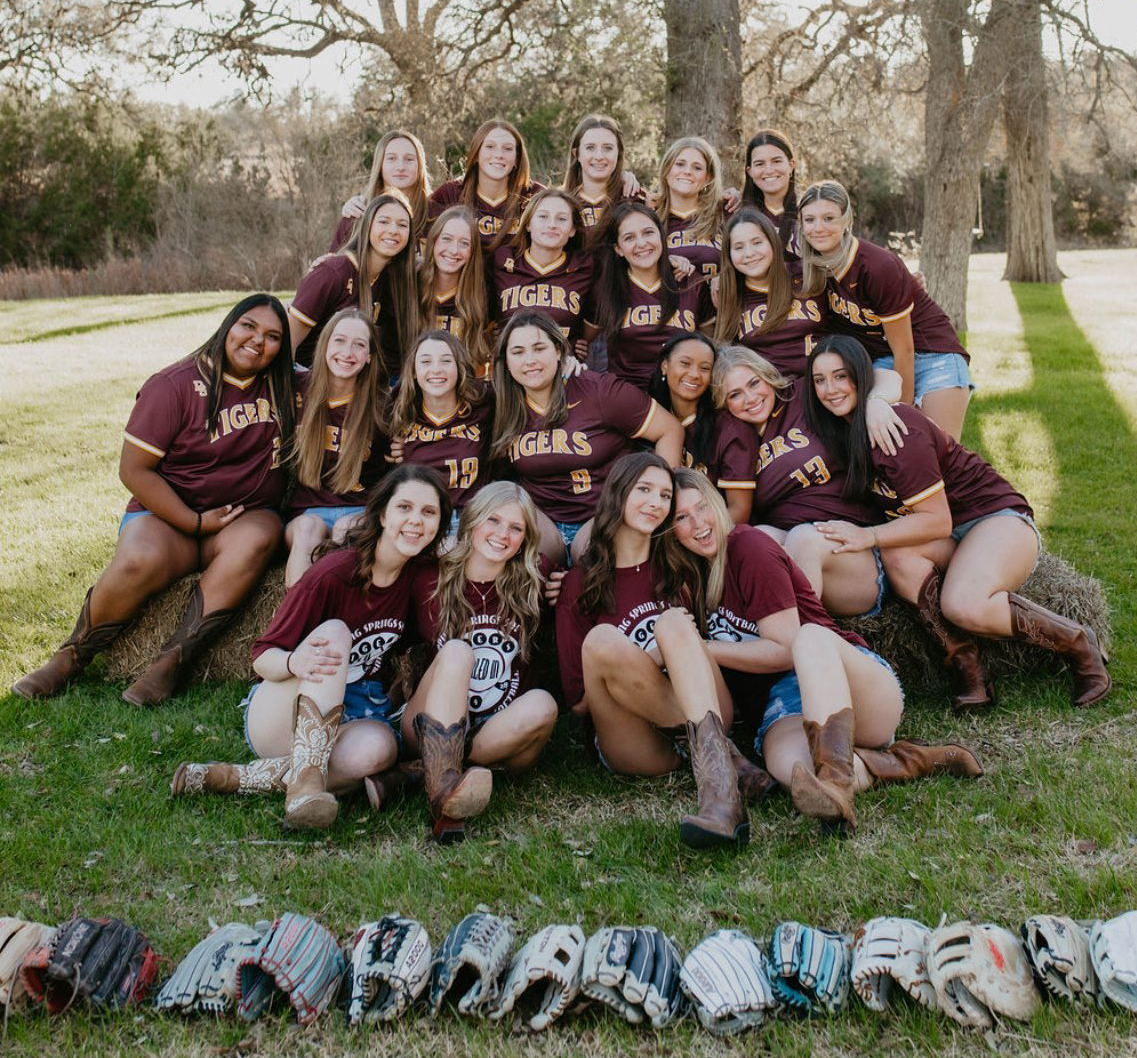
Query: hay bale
(227, 657)
(895, 633)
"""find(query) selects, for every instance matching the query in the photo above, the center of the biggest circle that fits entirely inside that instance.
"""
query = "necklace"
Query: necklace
(483, 593)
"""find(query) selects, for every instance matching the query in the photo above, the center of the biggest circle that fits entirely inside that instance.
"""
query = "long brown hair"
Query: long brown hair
(364, 536)
(671, 568)
(732, 285)
(366, 419)
(816, 267)
(519, 585)
(708, 217)
(419, 195)
(707, 588)
(574, 179)
(517, 185)
(510, 414)
(408, 398)
(523, 239)
(469, 298)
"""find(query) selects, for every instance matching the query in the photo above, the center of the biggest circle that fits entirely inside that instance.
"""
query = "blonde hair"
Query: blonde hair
(708, 593)
(733, 356)
(817, 267)
(519, 585)
(708, 216)
(419, 194)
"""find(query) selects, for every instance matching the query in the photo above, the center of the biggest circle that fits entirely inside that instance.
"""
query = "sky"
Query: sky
(1115, 22)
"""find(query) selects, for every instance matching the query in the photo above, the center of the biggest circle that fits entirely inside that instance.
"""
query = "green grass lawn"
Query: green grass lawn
(87, 825)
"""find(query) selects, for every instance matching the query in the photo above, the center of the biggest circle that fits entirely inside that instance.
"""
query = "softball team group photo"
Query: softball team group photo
(629, 448)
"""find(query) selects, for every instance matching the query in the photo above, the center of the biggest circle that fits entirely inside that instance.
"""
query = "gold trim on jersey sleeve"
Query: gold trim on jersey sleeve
(139, 443)
(896, 316)
(295, 313)
(725, 483)
(647, 422)
(931, 490)
(841, 272)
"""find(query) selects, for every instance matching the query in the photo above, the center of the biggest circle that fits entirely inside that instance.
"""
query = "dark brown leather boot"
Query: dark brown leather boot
(971, 689)
(454, 795)
(827, 791)
(754, 783)
(722, 816)
(263, 775)
(173, 664)
(384, 785)
(904, 761)
(307, 803)
(72, 657)
(1076, 643)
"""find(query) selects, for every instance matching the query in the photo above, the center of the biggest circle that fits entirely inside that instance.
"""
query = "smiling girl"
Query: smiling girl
(770, 184)
(691, 200)
(594, 170)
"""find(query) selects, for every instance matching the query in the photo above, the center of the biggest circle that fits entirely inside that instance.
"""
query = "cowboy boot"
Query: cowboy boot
(827, 791)
(721, 819)
(907, 760)
(263, 775)
(176, 659)
(971, 689)
(384, 785)
(454, 794)
(74, 655)
(754, 783)
(308, 802)
(1078, 644)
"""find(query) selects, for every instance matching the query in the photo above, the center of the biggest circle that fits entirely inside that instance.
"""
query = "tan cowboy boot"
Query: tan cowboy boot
(971, 689)
(308, 802)
(907, 760)
(454, 795)
(263, 775)
(1077, 643)
(827, 791)
(721, 819)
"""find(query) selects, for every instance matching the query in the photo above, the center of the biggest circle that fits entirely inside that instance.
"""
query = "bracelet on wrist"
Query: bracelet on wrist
(288, 663)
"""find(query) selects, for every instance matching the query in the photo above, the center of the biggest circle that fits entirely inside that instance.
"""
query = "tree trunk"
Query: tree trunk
(960, 107)
(704, 73)
(1032, 253)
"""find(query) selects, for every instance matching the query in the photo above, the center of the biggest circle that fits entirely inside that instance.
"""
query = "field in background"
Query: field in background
(86, 824)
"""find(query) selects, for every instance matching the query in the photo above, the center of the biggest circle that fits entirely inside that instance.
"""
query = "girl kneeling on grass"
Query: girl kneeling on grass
(831, 706)
(320, 721)
(957, 541)
(341, 439)
(632, 658)
(202, 462)
(479, 610)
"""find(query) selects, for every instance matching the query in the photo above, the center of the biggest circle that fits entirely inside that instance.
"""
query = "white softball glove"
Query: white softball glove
(390, 968)
(1113, 949)
(1059, 953)
(547, 969)
(888, 951)
(727, 979)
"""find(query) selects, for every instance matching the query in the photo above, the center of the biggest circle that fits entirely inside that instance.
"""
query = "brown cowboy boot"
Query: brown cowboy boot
(163, 676)
(907, 760)
(73, 655)
(721, 819)
(454, 794)
(384, 785)
(754, 783)
(1077, 643)
(971, 689)
(827, 791)
(263, 775)
(308, 802)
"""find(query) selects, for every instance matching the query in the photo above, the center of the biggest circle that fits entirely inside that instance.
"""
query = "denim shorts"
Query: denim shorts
(961, 530)
(677, 736)
(568, 531)
(129, 516)
(934, 371)
(785, 698)
(881, 586)
(362, 700)
(454, 517)
(330, 515)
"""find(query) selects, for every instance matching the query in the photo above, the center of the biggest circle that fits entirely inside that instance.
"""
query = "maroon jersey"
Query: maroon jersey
(637, 606)
(786, 223)
(456, 446)
(592, 210)
(565, 468)
(797, 480)
(788, 347)
(373, 468)
(704, 255)
(239, 463)
(876, 288)
(330, 589)
(559, 289)
(499, 674)
(327, 287)
(491, 215)
(932, 461)
(633, 351)
(734, 454)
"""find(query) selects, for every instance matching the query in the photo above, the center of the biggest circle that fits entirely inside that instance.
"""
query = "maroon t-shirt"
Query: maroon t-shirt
(637, 606)
(932, 461)
(565, 468)
(239, 463)
(559, 290)
(330, 589)
(788, 347)
(875, 288)
(499, 674)
(703, 254)
(633, 351)
(490, 215)
(456, 446)
(327, 287)
(797, 480)
(373, 468)
(734, 455)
